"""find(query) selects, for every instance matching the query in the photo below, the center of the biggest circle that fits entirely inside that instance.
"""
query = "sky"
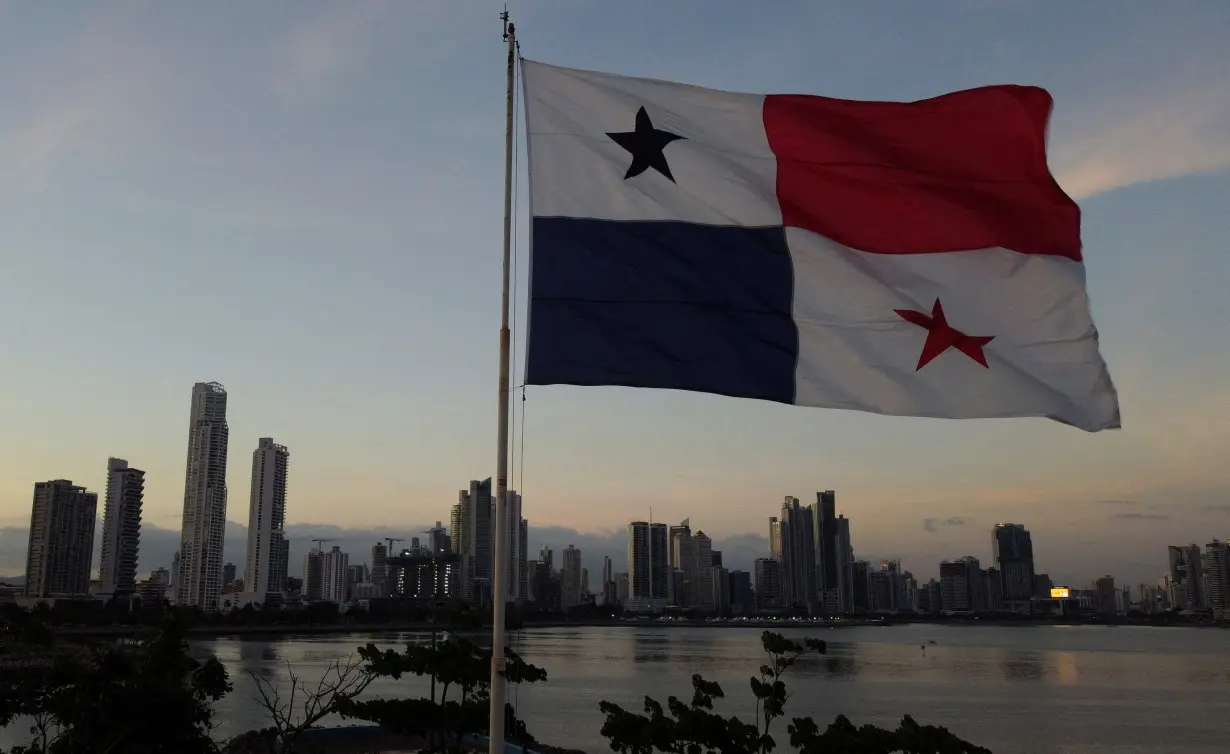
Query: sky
(303, 201)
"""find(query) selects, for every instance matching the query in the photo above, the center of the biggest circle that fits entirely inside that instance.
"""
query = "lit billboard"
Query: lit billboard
(1060, 593)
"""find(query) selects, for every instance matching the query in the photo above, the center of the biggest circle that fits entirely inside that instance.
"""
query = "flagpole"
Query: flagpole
(499, 567)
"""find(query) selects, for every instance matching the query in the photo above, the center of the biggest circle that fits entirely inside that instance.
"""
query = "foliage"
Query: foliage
(454, 663)
(695, 728)
(146, 698)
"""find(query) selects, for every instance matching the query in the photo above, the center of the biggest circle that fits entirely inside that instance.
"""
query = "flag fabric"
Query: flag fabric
(913, 259)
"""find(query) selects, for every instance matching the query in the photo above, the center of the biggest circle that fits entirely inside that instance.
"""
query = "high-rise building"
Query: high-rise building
(976, 581)
(380, 567)
(204, 522)
(1216, 561)
(845, 565)
(523, 570)
(1187, 576)
(268, 550)
(955, 594)
(1108, 598)
(608, 582)
(702, 588)
(1013, 552)
(775, 538)
(622, 589)
(742, 598)
(121, 535)
(437, 540)
(228, 573)
(570, 578)
(472, 534)
(825, 528)
(61, 544)
(860, 587)
(514, 573)
(313, 576)
(798, 556)
(648, 561)
(768, 583)
(682, 559)
(721, 590)
(335, 575)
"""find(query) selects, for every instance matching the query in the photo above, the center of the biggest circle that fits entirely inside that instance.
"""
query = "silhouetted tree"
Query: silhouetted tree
(146, 698)
(456, 663)
(695, 729)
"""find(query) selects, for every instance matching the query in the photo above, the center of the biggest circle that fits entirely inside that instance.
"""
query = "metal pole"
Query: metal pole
(498, 690)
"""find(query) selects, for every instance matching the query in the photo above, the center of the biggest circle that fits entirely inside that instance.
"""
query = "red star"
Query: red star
(941, 336)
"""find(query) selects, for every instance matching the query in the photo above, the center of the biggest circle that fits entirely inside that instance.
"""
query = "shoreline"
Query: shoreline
(426, 627)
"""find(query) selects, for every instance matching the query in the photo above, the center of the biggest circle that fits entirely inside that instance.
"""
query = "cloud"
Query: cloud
(321, 49)
(933, 524)
(1216, 509)
(82, 98)
(1134, 516)
(158, 545)
(1148, 137)
(1118, 502)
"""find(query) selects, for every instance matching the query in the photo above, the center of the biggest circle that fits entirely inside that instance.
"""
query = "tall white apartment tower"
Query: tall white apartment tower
(121, 536)
(333, 575)
(265, 577)
(200, 549)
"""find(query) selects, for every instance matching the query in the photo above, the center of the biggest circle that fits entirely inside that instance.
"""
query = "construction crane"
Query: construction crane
(391, 540)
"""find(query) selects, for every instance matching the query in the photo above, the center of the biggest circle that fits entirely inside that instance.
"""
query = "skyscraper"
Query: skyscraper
(61, 544)
(682, 559)
(313, 575)
(638, 560)
(380, 567)
(570, 578)
(1013, 552)
(515, 564)
(845, 566)
(1187, 574)
(702, 568)
(268, 550)
(335, 574)
(648, 561)
(121, 535)
(828, 557)
(775, 538)
(798, 556)
(768, 573)
(472, 534)
(204, 523)
(1216, 561)
(523, 568)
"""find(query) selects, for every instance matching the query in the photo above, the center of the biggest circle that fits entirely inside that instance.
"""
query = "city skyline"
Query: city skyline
(209, 227)
(741, 551)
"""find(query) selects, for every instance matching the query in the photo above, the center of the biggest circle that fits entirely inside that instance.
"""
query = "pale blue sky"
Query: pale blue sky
(302, 201)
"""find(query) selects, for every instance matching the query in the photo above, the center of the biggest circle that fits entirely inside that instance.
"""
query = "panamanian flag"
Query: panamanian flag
(911, 259)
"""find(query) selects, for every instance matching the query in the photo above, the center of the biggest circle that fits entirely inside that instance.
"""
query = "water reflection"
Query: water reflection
(1015, 691)
(1022, 666)
(650, 648)
(839, 660)
(257, 655)
(1067, 669)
